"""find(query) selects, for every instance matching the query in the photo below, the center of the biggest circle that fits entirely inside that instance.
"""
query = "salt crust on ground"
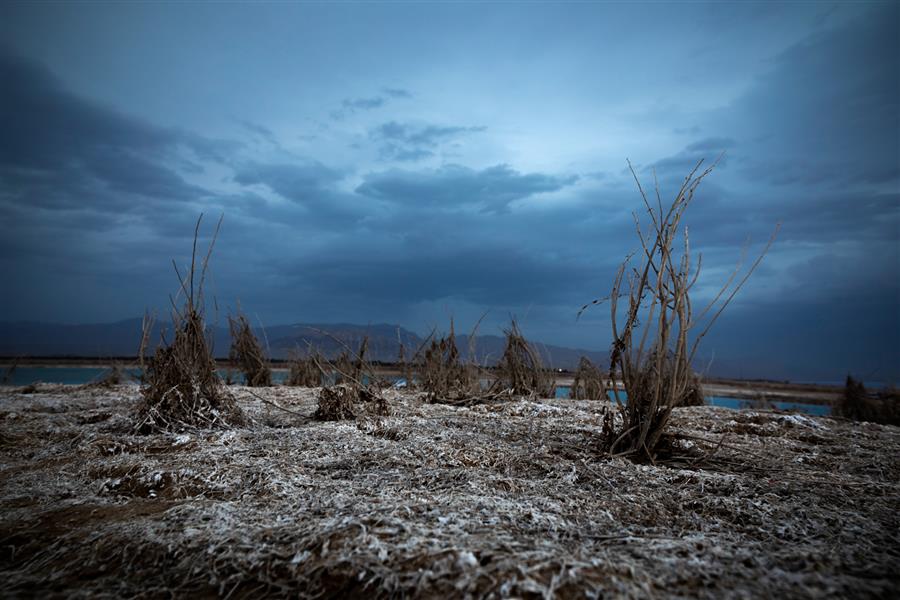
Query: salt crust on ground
(501, 500)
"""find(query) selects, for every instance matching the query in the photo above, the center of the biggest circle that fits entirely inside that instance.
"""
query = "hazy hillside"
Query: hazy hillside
(122, 338)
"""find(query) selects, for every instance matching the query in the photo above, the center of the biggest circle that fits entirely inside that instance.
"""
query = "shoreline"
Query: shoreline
(743, 389)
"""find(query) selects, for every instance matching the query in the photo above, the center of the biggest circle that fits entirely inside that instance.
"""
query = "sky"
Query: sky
(411, 162)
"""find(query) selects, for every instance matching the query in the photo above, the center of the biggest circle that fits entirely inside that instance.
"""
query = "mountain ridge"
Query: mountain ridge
(122, 338)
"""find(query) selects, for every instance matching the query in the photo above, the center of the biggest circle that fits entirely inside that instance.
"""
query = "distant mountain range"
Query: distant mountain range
(122, 339)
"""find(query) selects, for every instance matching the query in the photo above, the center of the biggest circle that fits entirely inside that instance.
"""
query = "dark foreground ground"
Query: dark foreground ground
(503, 500)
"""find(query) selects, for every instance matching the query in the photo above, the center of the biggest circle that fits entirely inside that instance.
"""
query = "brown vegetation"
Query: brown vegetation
(306, 371)
(588, 383)
(247, 353)
(112, 376)
(347, 401)
(651, 349)
(356, 390)
(858, 404)
(406, 371)
(521, 371)
(181, 388)
(508, 500)
(443, 374)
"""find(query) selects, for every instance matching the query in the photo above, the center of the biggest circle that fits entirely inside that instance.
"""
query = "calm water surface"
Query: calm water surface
(80, 375)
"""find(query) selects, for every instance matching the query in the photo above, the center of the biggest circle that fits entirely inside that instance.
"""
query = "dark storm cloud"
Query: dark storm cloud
(489, 276)
(836, 314)
(406, 142)
(60, 150)
(679, 165)
(299, 182)
(714, 145)
(827, 111)
(453, 186)
(91, 197)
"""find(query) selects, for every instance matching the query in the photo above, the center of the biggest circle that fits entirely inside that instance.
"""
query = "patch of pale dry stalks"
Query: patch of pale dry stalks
(521, 371)
(656, 343)
(247, 353)
(588, 383)
(181, 389)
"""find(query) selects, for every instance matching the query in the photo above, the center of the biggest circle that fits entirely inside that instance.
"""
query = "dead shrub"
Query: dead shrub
(346, 401)
(305, 370)
(521, 371)
(247, 353)
(859, 405)
(443, 375)
(588, 383)
(406, 371)
(651, 351)
(111, 377)
(181, 388)
(695, 395)
(356, 391)
(9, 371)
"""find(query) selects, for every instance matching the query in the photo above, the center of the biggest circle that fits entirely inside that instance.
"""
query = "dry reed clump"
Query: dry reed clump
(181, 389)
(661, 373)
(247, 353)
(305, 370)
(695, 395)
(356, 390)
(443, 375)
(9, 371)
(113, 376)
(521, 371)
(650, 349)
(859, 405)
(588, 383)
(347, 401)
(406, 372)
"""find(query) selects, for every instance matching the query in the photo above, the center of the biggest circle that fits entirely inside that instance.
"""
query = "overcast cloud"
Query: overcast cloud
(404, 163)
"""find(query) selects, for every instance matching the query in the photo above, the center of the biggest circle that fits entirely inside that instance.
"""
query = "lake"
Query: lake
(80, 375)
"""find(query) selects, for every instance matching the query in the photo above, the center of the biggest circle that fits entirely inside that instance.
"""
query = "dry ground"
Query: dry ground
(504, 500)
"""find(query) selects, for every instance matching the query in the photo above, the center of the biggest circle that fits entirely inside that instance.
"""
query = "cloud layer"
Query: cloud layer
(392, 196)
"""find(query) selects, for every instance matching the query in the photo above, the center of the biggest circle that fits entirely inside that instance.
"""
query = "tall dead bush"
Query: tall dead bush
(521, 371)
(588, 383)
(357, 388)
(860, 405)
(181, 388)
(305, 371)
(404, 365)
(247, 353)
(652, 349)
(443, 374)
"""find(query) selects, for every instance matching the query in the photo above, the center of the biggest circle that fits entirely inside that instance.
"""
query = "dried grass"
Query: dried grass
(357, 390)
(305, 371)
(113, 376)
(9, 372)
(444, 376)
(181, 389)
(247, 353)
(346, 401)
(651, 350)
(588, 383)
(520, 370)
(859, 405)
(406, 370)
(507, 500)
